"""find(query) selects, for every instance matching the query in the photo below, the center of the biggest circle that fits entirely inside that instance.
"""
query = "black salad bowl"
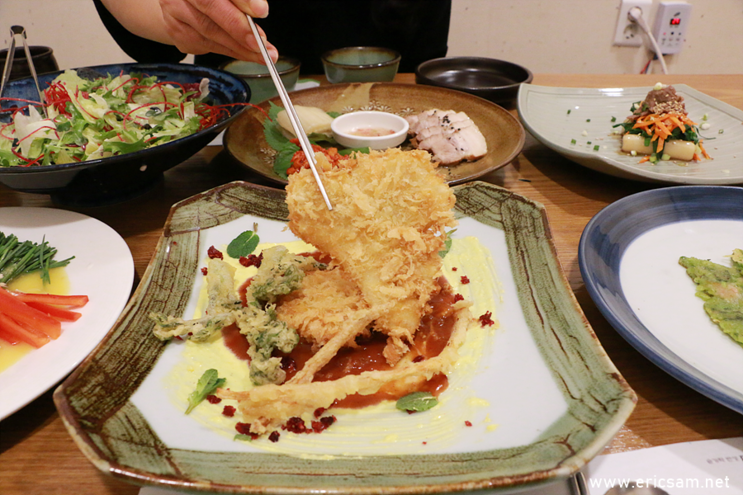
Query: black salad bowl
(119, 178)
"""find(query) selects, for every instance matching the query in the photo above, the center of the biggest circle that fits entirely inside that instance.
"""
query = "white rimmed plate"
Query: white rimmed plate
(103, 269)
(556, 116)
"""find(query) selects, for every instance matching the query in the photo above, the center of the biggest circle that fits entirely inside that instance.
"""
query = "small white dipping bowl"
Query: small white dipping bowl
(375, 130)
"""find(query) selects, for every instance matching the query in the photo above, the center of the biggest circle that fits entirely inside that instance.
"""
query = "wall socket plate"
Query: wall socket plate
(629, 33)
(671, 26)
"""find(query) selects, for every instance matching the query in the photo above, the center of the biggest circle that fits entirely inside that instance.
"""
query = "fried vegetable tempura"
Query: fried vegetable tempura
(385, 232)
(384, 235)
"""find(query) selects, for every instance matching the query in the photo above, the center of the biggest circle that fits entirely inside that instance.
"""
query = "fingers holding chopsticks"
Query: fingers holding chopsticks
(218, 26)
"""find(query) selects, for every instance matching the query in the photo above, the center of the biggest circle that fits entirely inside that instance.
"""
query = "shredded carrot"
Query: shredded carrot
(661, 127)
(704, 152)
(644, 159)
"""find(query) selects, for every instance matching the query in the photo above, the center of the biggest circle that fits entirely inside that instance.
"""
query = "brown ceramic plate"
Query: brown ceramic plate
(504, 134)
(531, 401)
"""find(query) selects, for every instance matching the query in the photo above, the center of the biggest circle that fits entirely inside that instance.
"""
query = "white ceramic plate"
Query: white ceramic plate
(544, 112)
(629, 256)
(103, 269)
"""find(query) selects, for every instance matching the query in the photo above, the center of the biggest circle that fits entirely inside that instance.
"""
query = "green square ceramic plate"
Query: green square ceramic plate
(540, 401)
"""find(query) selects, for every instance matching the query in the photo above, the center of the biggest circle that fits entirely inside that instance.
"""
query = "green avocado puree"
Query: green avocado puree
(721, 288)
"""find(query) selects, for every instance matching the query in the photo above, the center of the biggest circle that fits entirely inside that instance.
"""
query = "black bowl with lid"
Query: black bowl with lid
(495, 80)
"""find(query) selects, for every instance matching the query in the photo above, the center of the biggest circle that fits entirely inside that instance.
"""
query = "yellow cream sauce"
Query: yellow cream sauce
(371, 430)
(31, 282)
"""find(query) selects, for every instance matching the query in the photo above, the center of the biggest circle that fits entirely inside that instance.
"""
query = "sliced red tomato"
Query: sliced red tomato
(28, 335)
(55, 312)
(27, 316)
(54, 299)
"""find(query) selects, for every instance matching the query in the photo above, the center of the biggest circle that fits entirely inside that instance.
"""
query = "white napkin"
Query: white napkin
(708, 467)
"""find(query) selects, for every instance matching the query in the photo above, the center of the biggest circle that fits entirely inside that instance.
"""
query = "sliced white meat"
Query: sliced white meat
(451, 137)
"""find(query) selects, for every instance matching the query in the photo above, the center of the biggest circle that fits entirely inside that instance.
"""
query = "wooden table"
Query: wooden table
(38, 456)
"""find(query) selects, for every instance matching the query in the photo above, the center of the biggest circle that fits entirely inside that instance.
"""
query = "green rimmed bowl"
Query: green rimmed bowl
(543, 379)
(360, 64)
(258, 79)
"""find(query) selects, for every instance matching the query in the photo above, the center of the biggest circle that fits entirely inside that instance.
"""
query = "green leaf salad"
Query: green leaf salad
(92, 119)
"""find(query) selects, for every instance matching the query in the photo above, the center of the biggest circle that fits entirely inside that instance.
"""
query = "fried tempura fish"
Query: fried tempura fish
(385, 231)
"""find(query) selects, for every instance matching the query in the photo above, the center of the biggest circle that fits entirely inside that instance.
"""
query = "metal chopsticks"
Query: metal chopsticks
(14, 31)
(291, 113)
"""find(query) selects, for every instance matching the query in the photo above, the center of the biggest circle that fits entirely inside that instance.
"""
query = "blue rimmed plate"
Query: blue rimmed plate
(629, 256)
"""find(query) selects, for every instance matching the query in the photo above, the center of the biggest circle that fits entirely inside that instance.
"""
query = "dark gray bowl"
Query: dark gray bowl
(489, 78)
(121, 177)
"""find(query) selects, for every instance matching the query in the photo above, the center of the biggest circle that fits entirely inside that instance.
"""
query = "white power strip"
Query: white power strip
(671, 25)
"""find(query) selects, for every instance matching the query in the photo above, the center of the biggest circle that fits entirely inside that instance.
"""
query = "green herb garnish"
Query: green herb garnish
(17, 258)
(244, 438)
(243, 245)
(596, 148)
(417, 401)
(568, 111)
(573, 141)
(613, 119)
(207, 384)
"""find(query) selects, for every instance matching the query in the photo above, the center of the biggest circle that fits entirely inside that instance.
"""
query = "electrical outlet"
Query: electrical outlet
(628, 32)
(671, 26)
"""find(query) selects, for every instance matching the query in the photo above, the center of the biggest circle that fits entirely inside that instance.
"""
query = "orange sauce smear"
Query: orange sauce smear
(432, 336)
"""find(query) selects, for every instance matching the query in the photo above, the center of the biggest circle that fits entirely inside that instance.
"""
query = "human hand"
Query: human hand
(217, 26)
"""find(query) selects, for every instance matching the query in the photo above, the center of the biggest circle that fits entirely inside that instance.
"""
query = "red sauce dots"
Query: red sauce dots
(297, 425)
(454, 268)
(486, 319)
(244, 429)
(467, 423)
(213, 252)
(213, 399)
(251, 260)
(228, 411)
(458, 297)
(465, 280)
(204, 271)
(323, 424)
(274, 436)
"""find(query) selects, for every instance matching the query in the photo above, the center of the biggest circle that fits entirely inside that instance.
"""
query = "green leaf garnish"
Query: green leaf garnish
(244, 438)
(208, 383)
(417, 401)
(447, 243)
(243, 245)
(348, 151)
(283, 161)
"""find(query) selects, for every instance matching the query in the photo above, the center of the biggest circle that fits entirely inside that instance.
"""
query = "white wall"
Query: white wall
(547, 36)
(575, 36)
